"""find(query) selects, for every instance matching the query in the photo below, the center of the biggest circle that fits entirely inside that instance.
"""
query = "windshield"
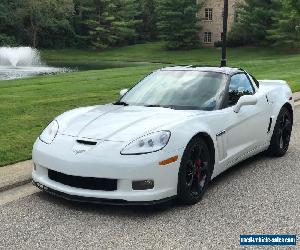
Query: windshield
(178, 89)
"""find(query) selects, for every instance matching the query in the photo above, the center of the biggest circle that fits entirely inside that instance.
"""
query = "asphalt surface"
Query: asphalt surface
(259, 196)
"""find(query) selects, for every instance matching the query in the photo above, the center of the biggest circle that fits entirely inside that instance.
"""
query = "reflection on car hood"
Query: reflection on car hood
(118, 123)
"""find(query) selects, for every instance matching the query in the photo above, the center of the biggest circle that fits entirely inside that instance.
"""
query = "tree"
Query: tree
(97, 19)
(127, 19)
(178, 23)
(255, 17)
(38, 15)
(286, 29)
(110, 22)
(85, 20)
(8, 27)
(147, 29)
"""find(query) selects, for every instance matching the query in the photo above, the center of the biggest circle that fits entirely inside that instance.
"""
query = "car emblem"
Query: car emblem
(80, 149)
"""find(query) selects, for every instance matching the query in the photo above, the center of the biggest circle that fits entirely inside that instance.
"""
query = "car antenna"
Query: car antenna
(224, 35)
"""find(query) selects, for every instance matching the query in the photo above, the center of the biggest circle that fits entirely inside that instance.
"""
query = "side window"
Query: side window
(239, 86)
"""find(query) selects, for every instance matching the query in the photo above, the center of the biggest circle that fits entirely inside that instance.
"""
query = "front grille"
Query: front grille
(83, 182)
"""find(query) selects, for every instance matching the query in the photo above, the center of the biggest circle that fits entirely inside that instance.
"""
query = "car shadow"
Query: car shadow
(107, 209)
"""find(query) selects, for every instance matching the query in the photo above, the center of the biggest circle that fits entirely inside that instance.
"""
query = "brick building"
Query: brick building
(212, 20)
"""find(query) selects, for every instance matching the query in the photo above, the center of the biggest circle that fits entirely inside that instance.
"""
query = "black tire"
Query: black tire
(282, 134)
(195, 172)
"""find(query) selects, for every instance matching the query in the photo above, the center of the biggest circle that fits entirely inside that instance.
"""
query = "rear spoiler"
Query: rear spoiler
(272, 82)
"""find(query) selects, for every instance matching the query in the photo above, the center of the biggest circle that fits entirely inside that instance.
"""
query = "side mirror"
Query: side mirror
(123, 92)
(245, 100)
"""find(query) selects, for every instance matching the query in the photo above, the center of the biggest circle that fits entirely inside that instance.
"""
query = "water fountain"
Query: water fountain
(19, 62)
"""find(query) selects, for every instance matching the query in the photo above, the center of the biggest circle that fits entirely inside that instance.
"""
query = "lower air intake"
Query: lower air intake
(83, 182)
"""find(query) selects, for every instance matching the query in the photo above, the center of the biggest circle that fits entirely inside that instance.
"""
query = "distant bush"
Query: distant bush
(232, 42)
(7, 40)
(237, 37)
(218, 44)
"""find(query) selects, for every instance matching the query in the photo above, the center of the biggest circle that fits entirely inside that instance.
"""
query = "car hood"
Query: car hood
(118, 123)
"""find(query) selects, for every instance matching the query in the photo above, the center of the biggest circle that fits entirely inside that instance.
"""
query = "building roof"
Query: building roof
(223, 70)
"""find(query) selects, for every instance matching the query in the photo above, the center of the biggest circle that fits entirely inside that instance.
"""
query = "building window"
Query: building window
(208, 14)
(207, 37)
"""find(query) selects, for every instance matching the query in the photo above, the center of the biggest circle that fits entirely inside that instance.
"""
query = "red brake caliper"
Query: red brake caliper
(198, 164)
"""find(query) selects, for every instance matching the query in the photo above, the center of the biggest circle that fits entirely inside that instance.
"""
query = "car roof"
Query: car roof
(222, 70)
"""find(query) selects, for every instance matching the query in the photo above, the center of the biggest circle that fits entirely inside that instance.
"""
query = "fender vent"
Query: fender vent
(90, 143)
(270, 125)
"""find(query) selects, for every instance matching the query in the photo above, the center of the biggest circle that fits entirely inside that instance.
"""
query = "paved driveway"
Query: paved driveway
(259, 196)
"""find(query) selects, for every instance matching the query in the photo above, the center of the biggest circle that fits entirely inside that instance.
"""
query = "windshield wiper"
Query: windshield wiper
(175, 107)
(121, 103)
(153, 106)
(158, 106)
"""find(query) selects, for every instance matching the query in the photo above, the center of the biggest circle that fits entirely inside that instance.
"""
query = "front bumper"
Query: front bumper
(105, 161)
(99, 200)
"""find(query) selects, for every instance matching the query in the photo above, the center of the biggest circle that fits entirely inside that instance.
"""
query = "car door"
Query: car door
(246, 130)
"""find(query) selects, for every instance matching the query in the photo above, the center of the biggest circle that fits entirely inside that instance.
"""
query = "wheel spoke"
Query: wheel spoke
(281, 143)
(196, 152)
(189, 175)
(202, 154)
(190, 183)
(282, 122)
(200, 182)
(199, 186)
(204, 166)
(287, 127)
(285, 130)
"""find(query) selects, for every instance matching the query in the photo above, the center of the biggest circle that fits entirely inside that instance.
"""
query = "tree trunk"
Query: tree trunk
(34, 37)
(34, 29)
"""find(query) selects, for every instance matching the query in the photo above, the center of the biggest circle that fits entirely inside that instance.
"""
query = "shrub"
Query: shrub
(218, 44)
(237, 37)
(7, 40)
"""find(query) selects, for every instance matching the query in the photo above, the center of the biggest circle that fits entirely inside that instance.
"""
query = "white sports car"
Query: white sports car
(166, 137)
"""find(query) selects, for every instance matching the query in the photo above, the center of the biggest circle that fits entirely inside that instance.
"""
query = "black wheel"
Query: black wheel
(282, 133)
(195, 172)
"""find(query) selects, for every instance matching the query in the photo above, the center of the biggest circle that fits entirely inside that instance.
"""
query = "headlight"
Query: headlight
(49, 133)
(147, 144)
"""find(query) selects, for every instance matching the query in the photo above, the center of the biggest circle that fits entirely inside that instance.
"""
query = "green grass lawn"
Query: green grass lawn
(27, 105)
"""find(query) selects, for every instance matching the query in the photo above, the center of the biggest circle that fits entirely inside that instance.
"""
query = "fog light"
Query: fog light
(143, 185)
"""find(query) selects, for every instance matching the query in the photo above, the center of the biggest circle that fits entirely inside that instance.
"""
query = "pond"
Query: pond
(20, 62)
(97, 64)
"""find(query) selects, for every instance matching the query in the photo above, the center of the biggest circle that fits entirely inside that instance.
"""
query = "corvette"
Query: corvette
(165, 138)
